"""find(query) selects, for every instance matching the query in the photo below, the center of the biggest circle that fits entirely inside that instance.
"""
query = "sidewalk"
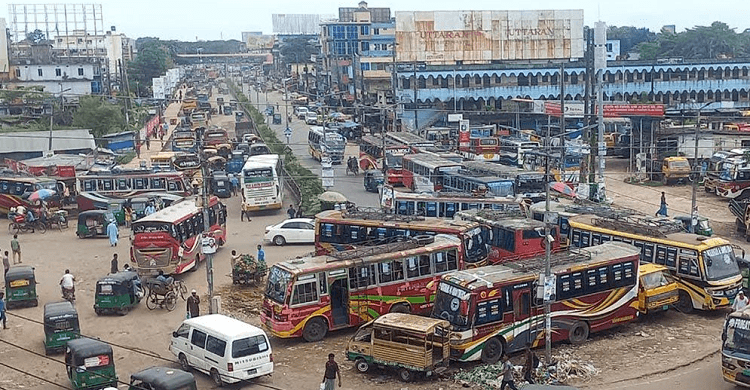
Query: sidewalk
(171, 112)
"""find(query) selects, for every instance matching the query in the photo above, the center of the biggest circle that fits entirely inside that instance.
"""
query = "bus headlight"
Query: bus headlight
(716, 293)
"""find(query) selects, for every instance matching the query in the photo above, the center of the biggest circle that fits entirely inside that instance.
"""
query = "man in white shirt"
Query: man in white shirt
(68, 282)
(740, 302)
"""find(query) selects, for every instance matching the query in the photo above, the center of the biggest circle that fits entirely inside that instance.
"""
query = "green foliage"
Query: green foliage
(99, 115)
(630, 36)
(152, 61)
(297, 50)
(309, 184)
(701, 42)
(36, 36)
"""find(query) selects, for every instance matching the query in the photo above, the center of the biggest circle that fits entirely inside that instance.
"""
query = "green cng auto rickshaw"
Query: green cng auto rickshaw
(93, 223)
(117, 293)
(60, 326)
(373, 180)
(90, 364)
(20, 287)
(162, 378)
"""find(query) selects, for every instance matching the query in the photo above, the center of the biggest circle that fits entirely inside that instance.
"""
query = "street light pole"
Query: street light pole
(694, 200)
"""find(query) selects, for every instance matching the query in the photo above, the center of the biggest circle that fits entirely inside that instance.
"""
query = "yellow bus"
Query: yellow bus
(705, 269)
(163, 161)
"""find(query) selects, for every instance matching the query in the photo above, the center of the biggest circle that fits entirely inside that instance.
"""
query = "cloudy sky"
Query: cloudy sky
(226, 19)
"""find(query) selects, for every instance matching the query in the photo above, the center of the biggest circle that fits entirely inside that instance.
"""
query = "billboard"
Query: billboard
(480, 37)
(576, 109)
(295, 24)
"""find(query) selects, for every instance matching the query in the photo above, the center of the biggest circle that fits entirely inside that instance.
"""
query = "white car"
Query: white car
(311, 118)
(300, 112)
(292, 231)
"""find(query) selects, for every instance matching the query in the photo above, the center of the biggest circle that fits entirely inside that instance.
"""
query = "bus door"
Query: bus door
(523, 330)
(339, 295)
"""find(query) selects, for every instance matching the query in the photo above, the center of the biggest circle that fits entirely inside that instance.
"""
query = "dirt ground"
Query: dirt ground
(650, 345)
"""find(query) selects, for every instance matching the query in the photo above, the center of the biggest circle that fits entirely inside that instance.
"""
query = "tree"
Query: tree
(630, 36)
(36, 36)
(297, 50)
(152, 61)
(99, 115)
(701, 42)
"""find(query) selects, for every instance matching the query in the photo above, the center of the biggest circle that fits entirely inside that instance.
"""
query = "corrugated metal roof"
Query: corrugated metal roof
(38, 141)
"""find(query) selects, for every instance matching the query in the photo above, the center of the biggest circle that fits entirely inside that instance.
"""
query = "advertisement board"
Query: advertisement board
(576, 109)
(479, 37)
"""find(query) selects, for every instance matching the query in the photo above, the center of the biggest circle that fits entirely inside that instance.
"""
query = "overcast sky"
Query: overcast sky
(226, 19)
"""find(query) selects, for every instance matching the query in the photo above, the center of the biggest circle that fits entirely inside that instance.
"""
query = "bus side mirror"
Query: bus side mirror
(174, 334)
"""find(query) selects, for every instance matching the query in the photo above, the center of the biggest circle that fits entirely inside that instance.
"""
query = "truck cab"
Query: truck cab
(674, 169)
(657, 290)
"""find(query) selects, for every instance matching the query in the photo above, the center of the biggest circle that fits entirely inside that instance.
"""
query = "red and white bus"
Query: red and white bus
(310, 296)
(481, 149)
(425, 171)
(443, 205)
(496, 310)
(371, 152)
(510, 236)
(411, 140)
(170, 239)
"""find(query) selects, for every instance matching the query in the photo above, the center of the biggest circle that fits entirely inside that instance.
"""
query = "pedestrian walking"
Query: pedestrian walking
(113, 264)
(245, 214)
(128, 215)
(299, 212)
(2, 309)
(138, 149)
(530, 365)
(261, 253)
(332, 372)
(291, 212)
(235, 184)
(6, 264)
(663, 206)
(740, 302)
(148, 143)
(113, 233)
(15, 246)
(193, 302)
(507, 374)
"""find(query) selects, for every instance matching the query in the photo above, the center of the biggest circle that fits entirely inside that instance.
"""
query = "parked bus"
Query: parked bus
(15, 189)
(413, 141)
(497, 309)
(215, 137)
(482, 149)
(440, 205)
(463, 181)
(198, 119)
(262, 183)
(425, 172)
(735, 348)
(129, 183)
(326, 141)
(169, 240)
(338, 231)
(162, 161)
(512, 150)
(528, 184)
(732, 179)
(706, 269)
(310, 296)
(510, 235)
(371, 154)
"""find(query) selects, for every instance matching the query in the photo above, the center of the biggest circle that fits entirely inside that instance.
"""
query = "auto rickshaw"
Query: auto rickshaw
(373, 180)
(276, 119)
(60, 326)
(162, 378)
(90, 364)
(20, 287)
(93, 223)
(117, 293)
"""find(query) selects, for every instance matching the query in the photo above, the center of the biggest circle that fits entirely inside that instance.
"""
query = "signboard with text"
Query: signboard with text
(576, 110)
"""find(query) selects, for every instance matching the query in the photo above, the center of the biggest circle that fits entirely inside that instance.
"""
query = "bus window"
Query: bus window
(305, 293)
(671, 257)
(89, 185)
(412, 269)
(158, 184)
(322, 283)
(107, 185)
(361, 277)
(4, 187)
(424, 265)
(489, 311)
(122, 184)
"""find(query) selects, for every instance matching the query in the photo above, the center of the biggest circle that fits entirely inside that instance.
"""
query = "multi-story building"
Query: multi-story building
(35, 64)
(357, 50)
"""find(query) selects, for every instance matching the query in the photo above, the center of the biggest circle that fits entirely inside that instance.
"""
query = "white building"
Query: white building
(118, 49)
(37, 65)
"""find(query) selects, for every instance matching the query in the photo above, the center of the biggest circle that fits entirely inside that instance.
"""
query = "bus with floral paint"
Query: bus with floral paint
(310, 296)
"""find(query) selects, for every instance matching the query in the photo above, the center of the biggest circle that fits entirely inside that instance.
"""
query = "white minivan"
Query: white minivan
(227, 349)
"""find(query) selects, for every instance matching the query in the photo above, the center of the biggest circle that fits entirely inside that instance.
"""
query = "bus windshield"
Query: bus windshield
(260, 174)
(278, 280)
(152, 227)
(738, 335)
(448, 306)
(720, 262)
(476, 246)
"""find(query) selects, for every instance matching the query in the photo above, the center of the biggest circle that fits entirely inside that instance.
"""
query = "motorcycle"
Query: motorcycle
(58, 219)
(352, 165)
(69, 294)
(16, 227)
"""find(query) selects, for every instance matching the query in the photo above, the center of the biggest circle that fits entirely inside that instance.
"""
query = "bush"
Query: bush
(310, 185)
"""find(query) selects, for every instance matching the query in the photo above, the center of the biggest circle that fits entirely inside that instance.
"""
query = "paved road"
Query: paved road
(349, 185)
(705, 374)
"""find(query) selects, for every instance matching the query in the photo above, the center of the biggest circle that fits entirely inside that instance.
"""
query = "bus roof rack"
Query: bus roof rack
(639, 224)
(534, 264)
(364, 251)
(378, 214)
(496, 215)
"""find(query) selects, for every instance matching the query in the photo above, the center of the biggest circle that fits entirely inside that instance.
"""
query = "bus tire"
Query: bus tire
(578, 332)
(400, 308)
(493, 349)
(362, 365)
(315, 330)
(684, 303)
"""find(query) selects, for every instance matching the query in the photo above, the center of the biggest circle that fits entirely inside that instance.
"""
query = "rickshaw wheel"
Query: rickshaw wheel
(13, 228)
(170, 300)
(42, 229)
(98, 312)
(34, 302)
(151, 300)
